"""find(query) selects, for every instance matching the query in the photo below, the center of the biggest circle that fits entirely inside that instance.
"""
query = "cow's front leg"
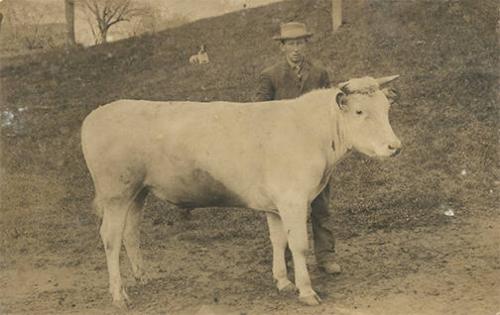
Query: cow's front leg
(111, 231)
(294, 217)
(279, 242)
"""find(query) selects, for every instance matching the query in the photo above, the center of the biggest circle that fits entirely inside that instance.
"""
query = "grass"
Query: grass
(446, 116)
(26, 38)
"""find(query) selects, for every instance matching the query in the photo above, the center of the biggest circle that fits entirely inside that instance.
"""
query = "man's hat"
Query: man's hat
(293, 30)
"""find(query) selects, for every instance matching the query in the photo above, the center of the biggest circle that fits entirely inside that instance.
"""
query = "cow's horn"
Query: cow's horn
(342, 85)
(388, 79)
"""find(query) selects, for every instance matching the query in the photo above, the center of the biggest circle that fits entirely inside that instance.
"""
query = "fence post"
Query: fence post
(70, 22)
(336, 14)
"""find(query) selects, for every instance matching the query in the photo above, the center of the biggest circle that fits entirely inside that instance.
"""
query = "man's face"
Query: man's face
(294, 49)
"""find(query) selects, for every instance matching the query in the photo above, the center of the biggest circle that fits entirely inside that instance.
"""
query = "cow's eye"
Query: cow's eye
(359, 112)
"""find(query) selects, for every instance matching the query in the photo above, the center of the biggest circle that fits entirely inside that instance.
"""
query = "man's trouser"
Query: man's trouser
(324, 241)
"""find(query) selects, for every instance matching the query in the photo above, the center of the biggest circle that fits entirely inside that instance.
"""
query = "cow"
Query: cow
(272, 156)
(200, 57)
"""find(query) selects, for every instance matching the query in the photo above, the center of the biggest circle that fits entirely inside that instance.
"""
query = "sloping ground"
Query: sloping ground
(445, 52)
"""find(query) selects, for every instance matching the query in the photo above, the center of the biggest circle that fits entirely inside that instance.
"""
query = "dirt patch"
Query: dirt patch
(452, 269)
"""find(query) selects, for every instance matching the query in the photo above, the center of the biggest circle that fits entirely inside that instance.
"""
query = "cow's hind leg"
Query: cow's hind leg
(131, 237)
(113, 224)
(279, 242)
(294, 217)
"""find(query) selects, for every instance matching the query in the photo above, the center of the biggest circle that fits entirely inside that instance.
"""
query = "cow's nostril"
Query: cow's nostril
(396, 152)
(394, 146)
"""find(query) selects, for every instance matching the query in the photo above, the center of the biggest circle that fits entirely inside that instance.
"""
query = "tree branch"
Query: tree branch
(111, 12)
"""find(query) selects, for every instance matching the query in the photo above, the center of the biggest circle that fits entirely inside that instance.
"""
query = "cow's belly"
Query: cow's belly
(196, 188)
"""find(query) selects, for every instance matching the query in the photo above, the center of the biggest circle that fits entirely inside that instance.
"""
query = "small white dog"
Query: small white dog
(200, 57)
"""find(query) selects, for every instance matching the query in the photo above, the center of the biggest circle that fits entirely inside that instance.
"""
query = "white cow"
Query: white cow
(200, 57)
(271, 156)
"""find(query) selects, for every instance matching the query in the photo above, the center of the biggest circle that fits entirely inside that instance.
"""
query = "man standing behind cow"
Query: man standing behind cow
(291, 77)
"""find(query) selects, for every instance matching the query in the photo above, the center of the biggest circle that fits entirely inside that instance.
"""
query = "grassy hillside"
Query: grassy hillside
(445, 52)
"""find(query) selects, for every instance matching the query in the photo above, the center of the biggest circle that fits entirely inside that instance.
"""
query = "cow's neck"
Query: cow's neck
(327, 117)
(340, 146)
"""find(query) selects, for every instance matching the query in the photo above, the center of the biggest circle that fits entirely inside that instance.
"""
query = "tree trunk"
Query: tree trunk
(1, 19)
(70, 22)
(104, 35)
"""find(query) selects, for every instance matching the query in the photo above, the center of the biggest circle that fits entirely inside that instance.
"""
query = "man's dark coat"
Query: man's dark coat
(281, 81)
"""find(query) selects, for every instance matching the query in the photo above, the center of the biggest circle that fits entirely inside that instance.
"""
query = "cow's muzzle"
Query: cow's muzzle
(395, 148)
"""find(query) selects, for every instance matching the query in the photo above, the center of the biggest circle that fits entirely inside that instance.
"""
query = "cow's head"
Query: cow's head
(365, 116)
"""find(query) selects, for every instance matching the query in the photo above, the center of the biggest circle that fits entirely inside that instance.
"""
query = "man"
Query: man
(290, 78)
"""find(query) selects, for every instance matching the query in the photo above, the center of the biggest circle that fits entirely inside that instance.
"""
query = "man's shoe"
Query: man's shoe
(330, 267)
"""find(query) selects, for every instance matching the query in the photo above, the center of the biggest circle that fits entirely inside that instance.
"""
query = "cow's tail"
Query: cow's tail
(85, 150)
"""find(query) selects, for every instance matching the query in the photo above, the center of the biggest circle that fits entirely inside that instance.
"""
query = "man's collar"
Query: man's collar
(294, 65)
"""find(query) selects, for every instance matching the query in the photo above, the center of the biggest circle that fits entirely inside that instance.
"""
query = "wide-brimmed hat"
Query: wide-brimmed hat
(293, 30)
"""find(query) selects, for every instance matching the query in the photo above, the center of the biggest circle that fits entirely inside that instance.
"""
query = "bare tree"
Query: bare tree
(146, 22)
(25, 25)
(103, 14)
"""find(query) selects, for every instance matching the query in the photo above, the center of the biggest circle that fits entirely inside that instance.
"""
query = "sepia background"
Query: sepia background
(419, 234)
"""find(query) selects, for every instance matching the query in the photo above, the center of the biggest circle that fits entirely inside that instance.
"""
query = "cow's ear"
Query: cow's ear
(391, 94)
(341, 100)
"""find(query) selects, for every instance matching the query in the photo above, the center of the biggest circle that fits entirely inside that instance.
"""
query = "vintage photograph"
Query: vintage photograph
(249, 157)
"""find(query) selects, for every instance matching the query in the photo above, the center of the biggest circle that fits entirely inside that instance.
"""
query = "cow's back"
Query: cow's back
(188, 153)
(145, 125)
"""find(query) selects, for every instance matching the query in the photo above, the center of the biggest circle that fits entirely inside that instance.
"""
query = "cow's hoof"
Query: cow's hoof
(286, 287)
(125, 295)
(310, 300)
(122, 300)
(120, 304)
(142, 277)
